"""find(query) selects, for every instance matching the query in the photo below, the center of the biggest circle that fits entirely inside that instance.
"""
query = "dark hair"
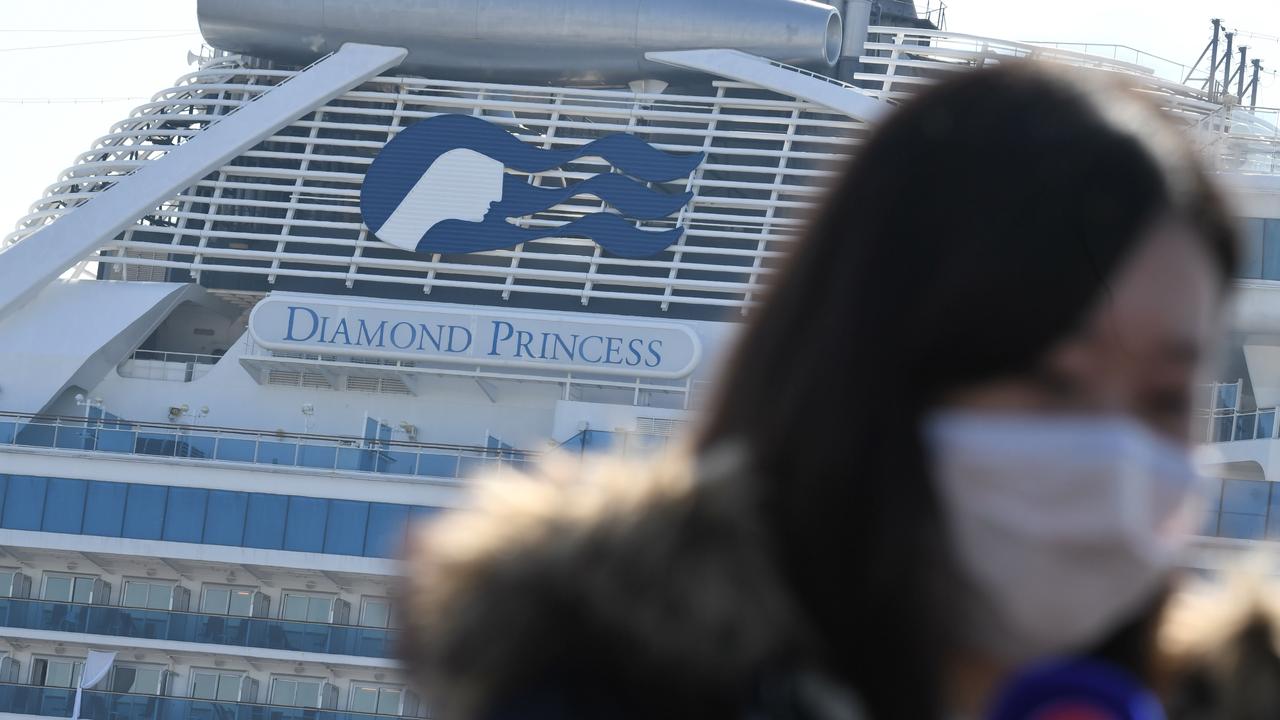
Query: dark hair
(974, 229)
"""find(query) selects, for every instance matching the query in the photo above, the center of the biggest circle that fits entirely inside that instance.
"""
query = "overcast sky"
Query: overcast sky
(66, 76)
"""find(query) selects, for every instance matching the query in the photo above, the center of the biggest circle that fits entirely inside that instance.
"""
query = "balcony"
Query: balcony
(207, 444)
(57, 702)
(196, 628)
(166, 366)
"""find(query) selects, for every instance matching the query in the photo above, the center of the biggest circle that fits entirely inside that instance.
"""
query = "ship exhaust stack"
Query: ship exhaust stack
(588, 42)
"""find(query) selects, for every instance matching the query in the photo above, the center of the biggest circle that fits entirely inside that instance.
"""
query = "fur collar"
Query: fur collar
(657, 573)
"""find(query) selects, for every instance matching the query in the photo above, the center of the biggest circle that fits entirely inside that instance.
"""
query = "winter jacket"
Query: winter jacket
(616, 591)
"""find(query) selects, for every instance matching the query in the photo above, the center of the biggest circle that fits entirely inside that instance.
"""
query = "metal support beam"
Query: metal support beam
(744, 67)
(26, 268)
(1257, 71)
(1213, 63)
(1244, 56)
(1226, 61)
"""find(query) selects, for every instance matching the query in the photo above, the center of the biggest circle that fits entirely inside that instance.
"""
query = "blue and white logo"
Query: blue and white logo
(442, 186)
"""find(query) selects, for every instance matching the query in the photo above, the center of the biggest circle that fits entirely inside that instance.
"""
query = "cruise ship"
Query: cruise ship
(364, 252)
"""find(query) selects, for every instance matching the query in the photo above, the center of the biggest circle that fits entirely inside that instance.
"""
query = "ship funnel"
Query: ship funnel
(534, 41)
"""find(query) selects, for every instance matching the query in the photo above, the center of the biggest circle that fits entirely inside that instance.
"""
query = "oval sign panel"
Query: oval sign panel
(289, 322)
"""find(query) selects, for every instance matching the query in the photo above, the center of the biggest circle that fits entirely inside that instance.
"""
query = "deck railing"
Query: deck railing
(231, 445)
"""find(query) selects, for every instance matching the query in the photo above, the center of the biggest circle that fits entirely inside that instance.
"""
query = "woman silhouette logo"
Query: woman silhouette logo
(441, 186)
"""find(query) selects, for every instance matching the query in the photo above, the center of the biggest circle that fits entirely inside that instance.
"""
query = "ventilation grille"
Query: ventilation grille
(664, 427)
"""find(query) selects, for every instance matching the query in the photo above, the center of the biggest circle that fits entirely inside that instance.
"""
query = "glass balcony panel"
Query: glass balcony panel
(318, 637)
(236, 449)
(1228, 396)
(350, 458)
(1244, 426)
(1266, 424)
(318, 456)
(99, 705)
(8, 431)
(1222, 425)
(72, 437)
(159, 444)
(37, 434)
(396, 462)
(277, 453)
(437, 464)
(117, 441)
(199, 446)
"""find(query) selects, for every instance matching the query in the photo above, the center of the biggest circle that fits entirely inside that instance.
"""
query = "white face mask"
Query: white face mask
(1062, 526)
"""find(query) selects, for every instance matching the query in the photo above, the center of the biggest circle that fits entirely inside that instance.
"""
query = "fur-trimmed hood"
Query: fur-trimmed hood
(637, 578)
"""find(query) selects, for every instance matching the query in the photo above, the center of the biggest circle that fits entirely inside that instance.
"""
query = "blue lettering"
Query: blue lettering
(342, 330)
(523, 340)
(395, 333)
(498, 326)
(429, 337)
(315, 322)
(453, 333)
(633, 349)
(613, 351)
(582, 349)
(655, 352)
(363, 335)
(324, 329)
(570, 349)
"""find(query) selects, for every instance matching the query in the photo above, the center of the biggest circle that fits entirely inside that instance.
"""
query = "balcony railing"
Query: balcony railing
(1231, 425)
(169, 367)
(317, 452)
(97, 705)
(196, 628)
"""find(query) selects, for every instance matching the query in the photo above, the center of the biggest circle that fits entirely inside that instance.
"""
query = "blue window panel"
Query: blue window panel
(1242, 527)
(318, 456)
(8, 431)
(277, 453)
(161, 444)
(1271, 249)
(304, 529)
(264, 523)
(184, 514)
(236, 450)
(396, 462)
(1251, 247)
(64, 506)
(4, 487)
(344, 531)
(386, 534)
(1249, 497)
(353, 459)
(224, 518)
(144, 512)
(116, 440)
(438, 465)
(104, 509)
(24, 503)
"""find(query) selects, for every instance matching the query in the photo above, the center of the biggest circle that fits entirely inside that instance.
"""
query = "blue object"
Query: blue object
(404, 161)
(1076, 690)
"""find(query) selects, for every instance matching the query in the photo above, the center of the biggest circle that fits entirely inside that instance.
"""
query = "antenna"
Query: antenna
(1257, 70)
(1244, 54)
(1226, 60)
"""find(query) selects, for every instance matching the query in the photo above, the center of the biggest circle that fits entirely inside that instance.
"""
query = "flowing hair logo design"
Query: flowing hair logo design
(441, 186)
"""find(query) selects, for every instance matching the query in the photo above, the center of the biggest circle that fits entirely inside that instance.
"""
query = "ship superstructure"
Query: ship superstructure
(296, 301)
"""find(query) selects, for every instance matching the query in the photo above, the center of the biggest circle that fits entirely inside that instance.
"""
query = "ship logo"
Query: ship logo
(442, 186)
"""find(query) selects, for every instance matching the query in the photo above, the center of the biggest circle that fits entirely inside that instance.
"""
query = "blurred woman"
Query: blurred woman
(951, 443)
